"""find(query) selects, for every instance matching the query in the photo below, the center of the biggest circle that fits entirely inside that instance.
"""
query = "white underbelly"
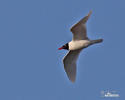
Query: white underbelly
(74, 45)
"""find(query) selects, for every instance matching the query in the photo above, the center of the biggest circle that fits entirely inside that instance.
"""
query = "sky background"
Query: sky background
(31, 67)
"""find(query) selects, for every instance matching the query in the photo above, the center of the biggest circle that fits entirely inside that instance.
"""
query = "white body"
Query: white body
(78, 44)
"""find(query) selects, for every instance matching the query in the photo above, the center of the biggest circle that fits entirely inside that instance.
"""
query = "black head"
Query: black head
(66, 46)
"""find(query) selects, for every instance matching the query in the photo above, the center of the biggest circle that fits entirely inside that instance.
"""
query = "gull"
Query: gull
(79, 42)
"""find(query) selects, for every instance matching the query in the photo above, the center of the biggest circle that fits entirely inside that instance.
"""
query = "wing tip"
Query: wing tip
(73, 81)
(90, 12)
(72, 78)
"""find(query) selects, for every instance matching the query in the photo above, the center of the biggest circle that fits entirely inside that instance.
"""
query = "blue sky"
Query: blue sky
(31, 66)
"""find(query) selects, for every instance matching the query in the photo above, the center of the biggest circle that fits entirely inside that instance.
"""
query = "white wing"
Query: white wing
(79, 29)
(69, 62)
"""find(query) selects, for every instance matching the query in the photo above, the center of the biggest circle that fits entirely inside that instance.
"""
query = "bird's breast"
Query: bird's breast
(75, 45)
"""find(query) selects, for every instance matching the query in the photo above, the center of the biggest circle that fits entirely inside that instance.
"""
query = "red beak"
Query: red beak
(60, 48)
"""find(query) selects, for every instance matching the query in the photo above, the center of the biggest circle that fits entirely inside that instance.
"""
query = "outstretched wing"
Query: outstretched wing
(69, 62)
(79, 29)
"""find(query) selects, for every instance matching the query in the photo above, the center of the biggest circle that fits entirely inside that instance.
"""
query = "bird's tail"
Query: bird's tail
(96, 41)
